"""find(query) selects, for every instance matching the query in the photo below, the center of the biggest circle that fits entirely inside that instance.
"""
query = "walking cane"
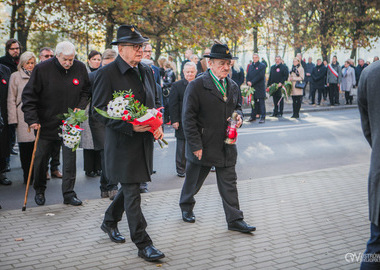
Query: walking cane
(31, 166)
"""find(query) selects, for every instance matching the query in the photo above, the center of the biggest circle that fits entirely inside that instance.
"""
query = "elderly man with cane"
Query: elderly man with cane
(55, 86)
(209, 101)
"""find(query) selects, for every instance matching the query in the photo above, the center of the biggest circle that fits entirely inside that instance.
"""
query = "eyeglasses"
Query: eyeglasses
(14, 49)
(47, 55)
(136, 47)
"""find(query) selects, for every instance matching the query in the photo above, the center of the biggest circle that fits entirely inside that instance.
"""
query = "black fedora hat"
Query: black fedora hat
(220, 51)
(129, 34)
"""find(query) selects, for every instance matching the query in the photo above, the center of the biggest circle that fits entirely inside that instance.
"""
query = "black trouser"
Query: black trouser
(166, 109)
(226, 180)
(3, 165)
(12, 135)
(26, 152)
(40, 167)
(54, 156)
(278, 105)
(333, 93)
(180, 159)
(259, 108)
(297, 101)
(105, 184)
(320, 93)
(128, 198)
(348, 97)
(91, 160)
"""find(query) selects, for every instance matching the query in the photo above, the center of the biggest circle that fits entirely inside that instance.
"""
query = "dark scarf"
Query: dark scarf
(14, 59)
(27, 72)
(295, 69)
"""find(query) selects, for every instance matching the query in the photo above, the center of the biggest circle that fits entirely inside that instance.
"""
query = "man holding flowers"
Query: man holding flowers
(55, 86)
(209, 101)
(128, 148)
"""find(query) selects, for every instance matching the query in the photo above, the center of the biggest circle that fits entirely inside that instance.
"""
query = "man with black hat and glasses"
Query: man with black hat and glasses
(208, 102)
(128, 149)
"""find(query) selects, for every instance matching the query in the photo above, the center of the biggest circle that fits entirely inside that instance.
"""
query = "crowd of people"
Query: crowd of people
(196, 101)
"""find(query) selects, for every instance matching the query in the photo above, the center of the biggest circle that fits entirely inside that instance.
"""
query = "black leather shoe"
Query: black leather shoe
(39, 199)
(251, 119)
(5, 181)
(240, 226)
(182, 175)
(91, 174)
(273, 115)
(144, 190)
(262, 121)
(188, 216)
(72, 201)
(150, 253)
(14, 152)
(113, 233)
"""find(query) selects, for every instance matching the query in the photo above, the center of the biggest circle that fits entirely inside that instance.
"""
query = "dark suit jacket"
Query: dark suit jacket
(5, 74)
(175, 105)
(204, 119)
(368, 100)
(128, 154)
(256, 75)
(7, 61)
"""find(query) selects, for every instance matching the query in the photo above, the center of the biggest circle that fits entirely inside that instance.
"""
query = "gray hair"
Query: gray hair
(190, 64)
(66, 48)
(256, 54)
(193, 56)
(24, 58)
(109, 54)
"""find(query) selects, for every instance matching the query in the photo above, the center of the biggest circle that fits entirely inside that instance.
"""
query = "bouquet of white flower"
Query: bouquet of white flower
(71, 131)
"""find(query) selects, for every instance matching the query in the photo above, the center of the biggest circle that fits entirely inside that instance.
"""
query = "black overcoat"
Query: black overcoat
(278, 74)
(368, 103)
(5, 73)
(51, 91)
(256, 75)
(175, 105)
(318, 76)
(98, 130)
(128, 154)
(7, 61)
(204, 119)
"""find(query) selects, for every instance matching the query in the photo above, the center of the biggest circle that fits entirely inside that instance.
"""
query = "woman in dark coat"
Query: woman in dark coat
(5, 149)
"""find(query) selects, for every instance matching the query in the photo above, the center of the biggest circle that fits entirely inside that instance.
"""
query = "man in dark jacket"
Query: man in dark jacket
(279, 73)
(318, 78)
(308, 70)
(359, 68)
(256, 79)
(176, 99)
(208, 102)
(10, 60)
(5, 147)
(128, 149)
(368, 101)
(12, 54)
(55, 86)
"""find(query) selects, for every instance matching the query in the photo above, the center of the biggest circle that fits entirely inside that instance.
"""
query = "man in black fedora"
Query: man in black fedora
(128, 149)
(208, 102)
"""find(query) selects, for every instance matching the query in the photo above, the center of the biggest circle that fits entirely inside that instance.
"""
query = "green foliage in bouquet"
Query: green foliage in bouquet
(288, 87)
(74, 118)
(273, 88)
(245, 92)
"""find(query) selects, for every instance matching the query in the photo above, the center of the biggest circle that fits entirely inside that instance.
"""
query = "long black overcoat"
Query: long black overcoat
(5, 73)
(256, 75)
(175, 105)
(368, 101)
(128, 154)
(204, 119)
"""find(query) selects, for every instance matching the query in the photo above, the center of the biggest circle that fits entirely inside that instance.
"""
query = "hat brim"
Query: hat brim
(138, 40)
(220, 56)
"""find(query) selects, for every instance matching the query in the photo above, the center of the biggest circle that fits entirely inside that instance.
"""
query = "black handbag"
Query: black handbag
(300, 84)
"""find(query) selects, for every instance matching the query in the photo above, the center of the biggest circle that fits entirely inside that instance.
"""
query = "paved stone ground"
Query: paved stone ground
(304, 221)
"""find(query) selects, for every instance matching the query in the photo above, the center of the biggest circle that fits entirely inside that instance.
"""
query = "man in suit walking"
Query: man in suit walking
(175, 106)
(128, 149)
(208, 102)
(256, 79)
